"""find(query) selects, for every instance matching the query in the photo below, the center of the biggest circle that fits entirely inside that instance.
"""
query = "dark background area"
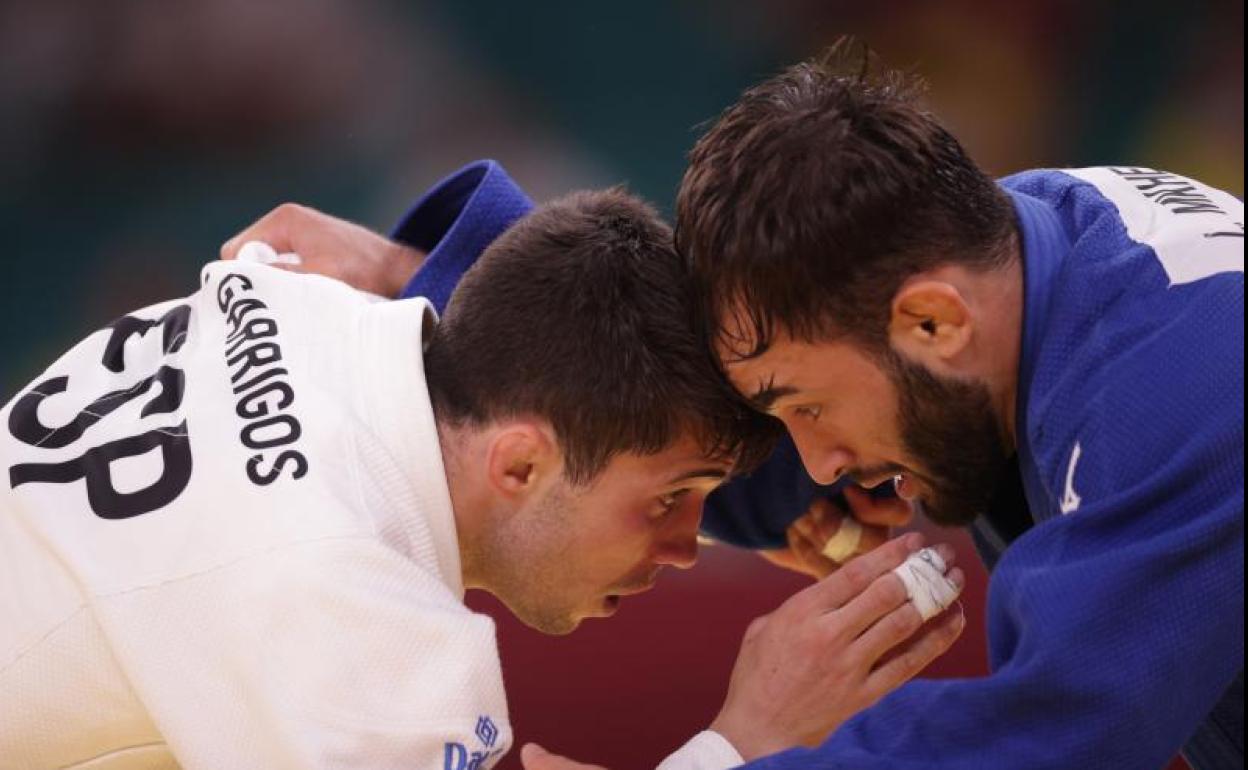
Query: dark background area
(139, 134)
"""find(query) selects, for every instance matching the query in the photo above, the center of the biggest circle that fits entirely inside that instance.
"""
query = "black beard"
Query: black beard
(948, 428)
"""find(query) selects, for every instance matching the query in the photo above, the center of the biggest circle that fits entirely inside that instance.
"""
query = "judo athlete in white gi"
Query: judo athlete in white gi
(236, 529)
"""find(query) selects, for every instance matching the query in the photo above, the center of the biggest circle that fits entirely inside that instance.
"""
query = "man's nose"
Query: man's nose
(679, 547)
(824, 460)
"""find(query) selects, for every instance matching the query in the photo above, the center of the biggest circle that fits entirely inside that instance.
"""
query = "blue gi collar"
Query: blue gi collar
(454, 222)
(1044, 247)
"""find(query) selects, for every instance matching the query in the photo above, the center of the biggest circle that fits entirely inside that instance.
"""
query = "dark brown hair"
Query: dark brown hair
(581, 314)
(810, 201)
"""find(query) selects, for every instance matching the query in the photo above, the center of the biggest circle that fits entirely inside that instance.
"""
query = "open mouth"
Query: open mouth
(611, 601)
(904, 483)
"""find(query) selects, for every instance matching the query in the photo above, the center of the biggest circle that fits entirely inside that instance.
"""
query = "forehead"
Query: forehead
(683, 461)
(737, 339)
(790, 365)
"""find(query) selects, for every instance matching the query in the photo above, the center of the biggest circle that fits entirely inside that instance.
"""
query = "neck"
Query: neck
(469, 504)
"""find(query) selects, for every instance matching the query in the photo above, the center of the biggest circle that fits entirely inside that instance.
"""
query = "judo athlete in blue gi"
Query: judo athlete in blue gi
(1054, 360)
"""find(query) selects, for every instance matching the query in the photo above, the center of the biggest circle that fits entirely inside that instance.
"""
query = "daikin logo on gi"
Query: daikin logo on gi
(456, 756)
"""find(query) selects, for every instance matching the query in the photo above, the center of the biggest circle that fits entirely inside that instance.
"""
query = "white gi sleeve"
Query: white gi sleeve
(708, 750)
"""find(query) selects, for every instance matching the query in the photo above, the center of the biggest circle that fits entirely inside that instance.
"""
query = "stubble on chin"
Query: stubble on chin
(949, 427)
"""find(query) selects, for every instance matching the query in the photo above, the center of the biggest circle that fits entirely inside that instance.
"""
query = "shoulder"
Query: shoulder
(1185, 228)
(1143, 354)
(1147, 387)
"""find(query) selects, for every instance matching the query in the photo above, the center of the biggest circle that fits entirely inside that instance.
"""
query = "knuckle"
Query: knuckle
(812, 640)
(857, 575)
(885, 594)
(892, 590)
(286, 210)
(841, 666)
(911, 661)
(902, 623)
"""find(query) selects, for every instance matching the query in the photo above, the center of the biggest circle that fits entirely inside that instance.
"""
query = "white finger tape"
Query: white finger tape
(263, 253)
(929, 590)
(844, 542)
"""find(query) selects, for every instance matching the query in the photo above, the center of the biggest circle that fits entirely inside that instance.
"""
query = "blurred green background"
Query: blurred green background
(141, 134)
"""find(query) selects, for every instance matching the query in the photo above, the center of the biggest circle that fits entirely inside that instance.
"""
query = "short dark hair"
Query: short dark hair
(581, 314)
(809, 202)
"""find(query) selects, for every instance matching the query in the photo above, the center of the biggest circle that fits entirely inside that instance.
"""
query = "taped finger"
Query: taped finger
(264, 254)
(844, 542)
(923, 575)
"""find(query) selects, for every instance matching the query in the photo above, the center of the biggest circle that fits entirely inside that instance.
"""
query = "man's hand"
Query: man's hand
(332, 247)
(535, 757)
(830, 651)
(809, 534)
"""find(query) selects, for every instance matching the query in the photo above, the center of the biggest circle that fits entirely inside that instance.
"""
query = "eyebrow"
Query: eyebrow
(768, 394)
(711, 473)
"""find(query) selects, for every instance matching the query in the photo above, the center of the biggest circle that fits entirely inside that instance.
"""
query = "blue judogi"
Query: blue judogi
(1116, 613)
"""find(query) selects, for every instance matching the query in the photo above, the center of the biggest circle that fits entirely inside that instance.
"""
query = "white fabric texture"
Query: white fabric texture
(298, 603)
(708, 750)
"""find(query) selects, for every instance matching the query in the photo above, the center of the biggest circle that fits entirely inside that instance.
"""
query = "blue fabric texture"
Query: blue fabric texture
(454, 222)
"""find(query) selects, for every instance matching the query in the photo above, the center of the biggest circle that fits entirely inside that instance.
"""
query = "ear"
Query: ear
(931, 322)
(520, 456)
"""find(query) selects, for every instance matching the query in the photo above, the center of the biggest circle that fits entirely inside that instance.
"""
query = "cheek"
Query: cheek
(615, 531)
(687, 515)
(874, 418)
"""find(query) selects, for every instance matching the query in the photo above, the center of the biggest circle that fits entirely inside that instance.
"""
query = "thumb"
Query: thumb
(534, 757)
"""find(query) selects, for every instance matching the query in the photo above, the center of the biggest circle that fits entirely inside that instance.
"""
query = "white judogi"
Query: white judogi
(250, 562)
